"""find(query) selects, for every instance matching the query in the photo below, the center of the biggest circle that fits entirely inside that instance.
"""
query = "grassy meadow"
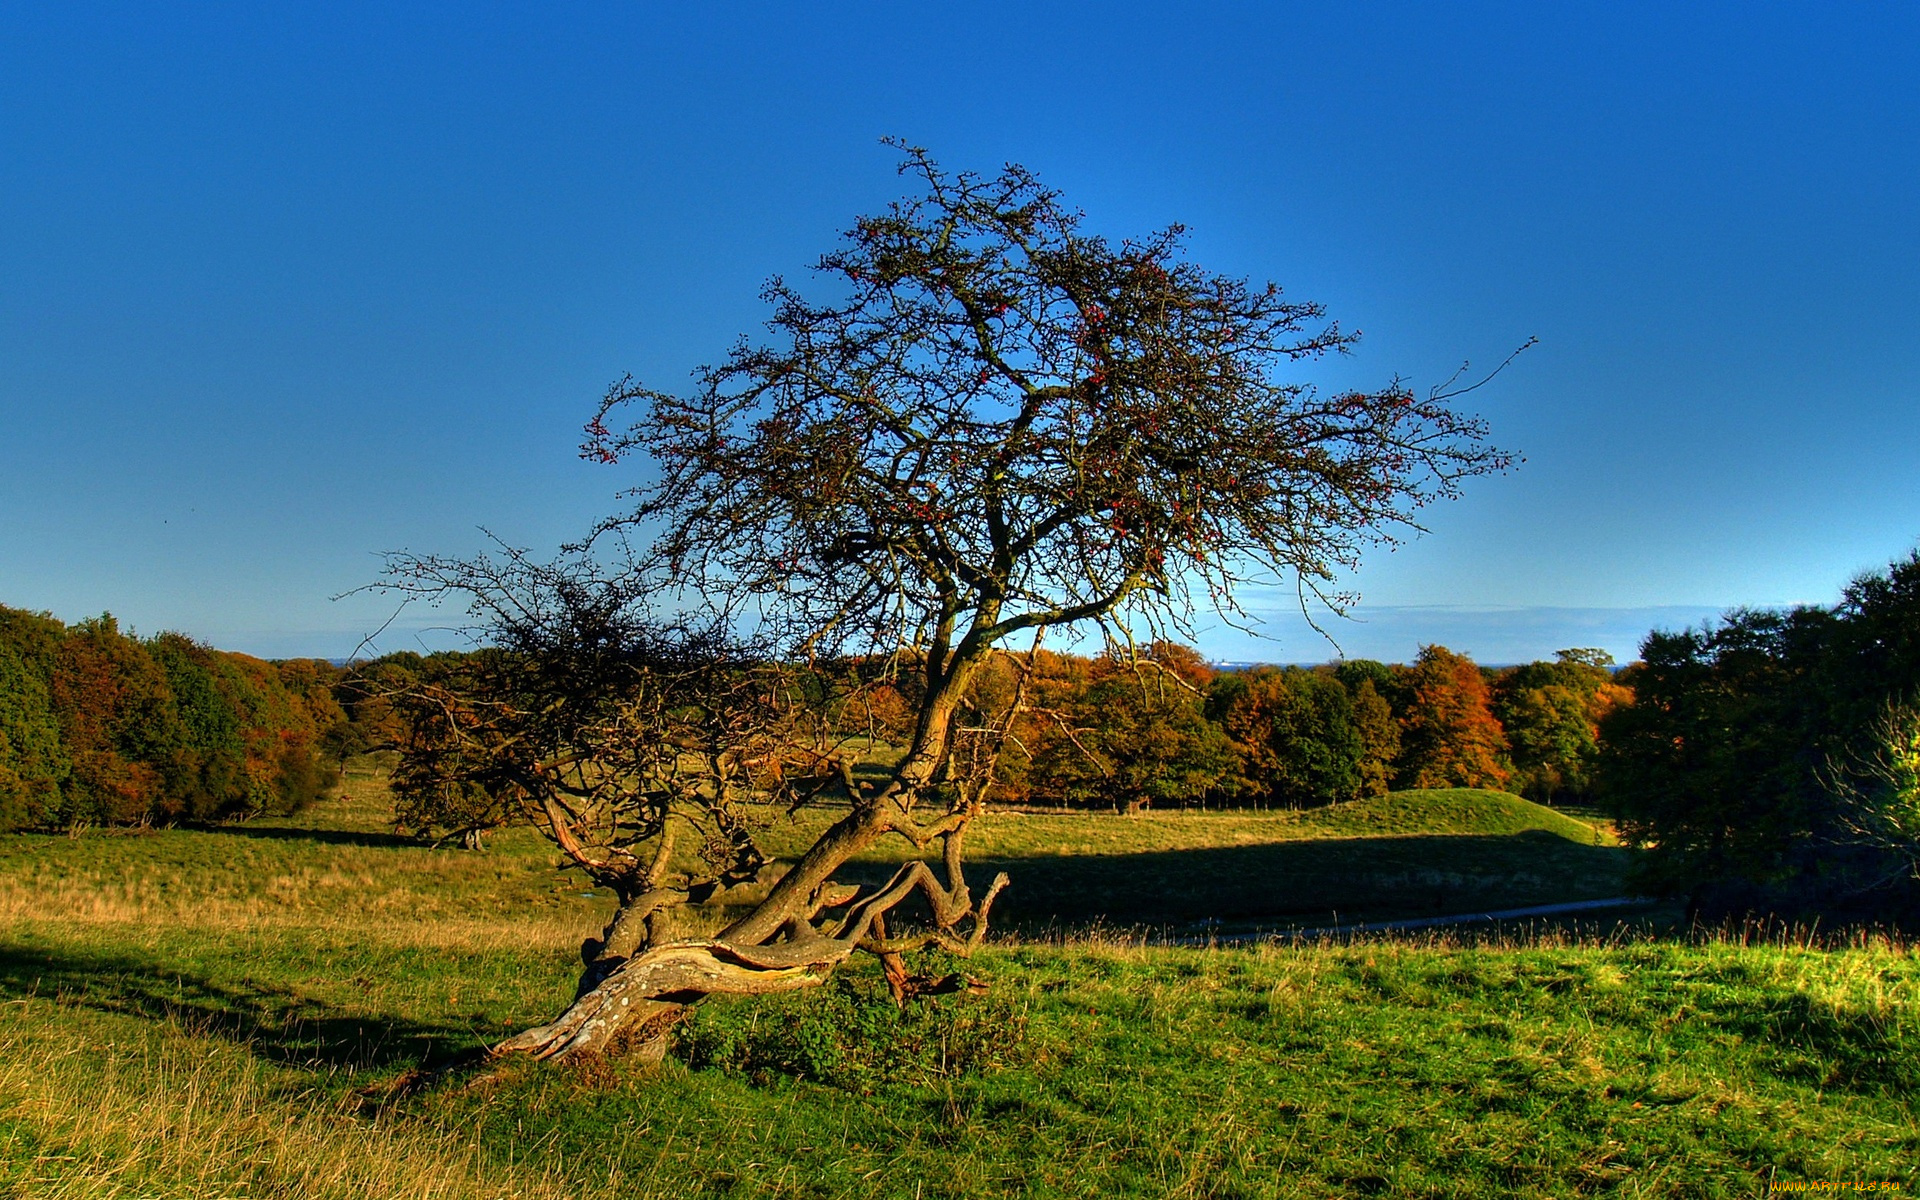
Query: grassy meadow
(299, 1009)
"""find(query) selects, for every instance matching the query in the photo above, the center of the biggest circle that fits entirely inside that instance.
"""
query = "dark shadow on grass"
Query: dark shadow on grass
(276, 1024)
(1823, 1046)
(328, 837)
(1298, 882)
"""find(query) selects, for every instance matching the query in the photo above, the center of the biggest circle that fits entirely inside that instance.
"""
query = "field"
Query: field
(297, 1010)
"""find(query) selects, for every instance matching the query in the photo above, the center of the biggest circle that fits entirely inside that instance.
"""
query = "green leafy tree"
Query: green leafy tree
(1387, 682)
(33, 763)
(1140, 738)
(1758, 749)
(1379, 734)
(311, 682)
(1056, 685)
(1297, 735)
(98, 727)
(207, 774)
(1551, 713)
(368, 694)
(1711, 770)
(118, 721)
(1379, 700)
(281, 733)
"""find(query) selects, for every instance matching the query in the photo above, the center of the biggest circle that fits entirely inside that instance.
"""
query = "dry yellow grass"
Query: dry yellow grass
(98, 1107)
(333, 867)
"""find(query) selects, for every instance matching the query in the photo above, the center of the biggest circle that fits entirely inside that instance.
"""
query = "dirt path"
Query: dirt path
(1322, 931)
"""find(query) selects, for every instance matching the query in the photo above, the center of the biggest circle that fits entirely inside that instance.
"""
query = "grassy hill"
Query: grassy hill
(1457, 811)
(1464, 811)
(1407, 854)
(247, 1012)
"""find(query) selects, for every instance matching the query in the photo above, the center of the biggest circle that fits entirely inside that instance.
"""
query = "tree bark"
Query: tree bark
(645, 993)
(634, 1005)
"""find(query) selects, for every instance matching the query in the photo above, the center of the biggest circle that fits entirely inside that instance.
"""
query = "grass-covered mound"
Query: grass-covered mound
(1464, 811)
(1410, 854)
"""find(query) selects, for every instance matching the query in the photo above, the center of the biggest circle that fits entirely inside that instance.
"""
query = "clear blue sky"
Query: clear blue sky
(283, 286)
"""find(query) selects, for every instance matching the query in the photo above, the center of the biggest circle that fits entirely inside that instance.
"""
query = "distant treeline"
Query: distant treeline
(1167, 729)
(99, 728)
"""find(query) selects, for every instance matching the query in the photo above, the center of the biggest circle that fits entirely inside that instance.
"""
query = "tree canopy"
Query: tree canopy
(1765, 761)
(980, 423)
(98, 727)
(997, 422)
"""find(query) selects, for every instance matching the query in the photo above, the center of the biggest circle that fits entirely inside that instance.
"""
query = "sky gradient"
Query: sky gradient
(288, 288)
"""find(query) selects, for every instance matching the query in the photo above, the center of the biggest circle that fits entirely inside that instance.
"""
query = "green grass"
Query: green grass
(340, 860)
(240, 1014)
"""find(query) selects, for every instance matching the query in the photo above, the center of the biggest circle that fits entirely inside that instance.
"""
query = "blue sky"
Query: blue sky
(286, 286)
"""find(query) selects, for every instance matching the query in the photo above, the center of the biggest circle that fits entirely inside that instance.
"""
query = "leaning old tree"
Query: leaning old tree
(980, 424)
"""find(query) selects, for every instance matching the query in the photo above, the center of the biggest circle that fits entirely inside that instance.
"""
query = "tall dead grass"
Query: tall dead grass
(98, 1108)
(396, 927)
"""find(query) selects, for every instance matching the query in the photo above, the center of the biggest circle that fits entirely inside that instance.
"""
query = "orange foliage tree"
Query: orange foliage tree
(1450, 737)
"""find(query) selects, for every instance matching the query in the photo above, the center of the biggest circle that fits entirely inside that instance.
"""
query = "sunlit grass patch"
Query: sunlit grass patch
(97, 1105)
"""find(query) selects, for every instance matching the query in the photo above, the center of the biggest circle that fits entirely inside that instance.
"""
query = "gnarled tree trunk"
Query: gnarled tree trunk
(640, 977)
(630, 1004)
